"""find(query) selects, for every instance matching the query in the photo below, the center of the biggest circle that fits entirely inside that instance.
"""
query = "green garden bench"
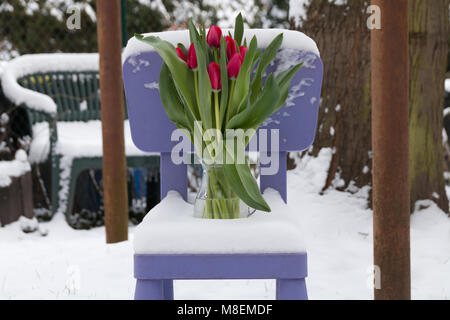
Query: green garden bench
(60, 94)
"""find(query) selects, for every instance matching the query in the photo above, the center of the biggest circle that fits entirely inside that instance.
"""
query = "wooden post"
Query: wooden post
(391, 191)
(113, 115)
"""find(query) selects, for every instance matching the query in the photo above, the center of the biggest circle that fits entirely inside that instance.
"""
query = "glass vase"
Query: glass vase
(216, 199)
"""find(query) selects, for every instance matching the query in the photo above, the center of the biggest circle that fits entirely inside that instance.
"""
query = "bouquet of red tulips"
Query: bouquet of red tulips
(209, 89)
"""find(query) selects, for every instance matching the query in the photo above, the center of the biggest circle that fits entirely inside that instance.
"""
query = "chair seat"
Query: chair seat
(170, 228)
(77, 140)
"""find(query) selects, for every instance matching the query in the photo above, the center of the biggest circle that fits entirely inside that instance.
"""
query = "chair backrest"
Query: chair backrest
(296, 120)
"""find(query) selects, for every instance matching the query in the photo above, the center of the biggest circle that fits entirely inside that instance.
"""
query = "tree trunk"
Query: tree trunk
(428, 27)
(344, 123)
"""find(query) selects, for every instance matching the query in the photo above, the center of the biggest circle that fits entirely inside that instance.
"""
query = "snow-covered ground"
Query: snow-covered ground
(69, 264)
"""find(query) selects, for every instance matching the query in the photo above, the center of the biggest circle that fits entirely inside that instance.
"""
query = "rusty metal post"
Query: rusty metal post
(390, 116)
(113, 115)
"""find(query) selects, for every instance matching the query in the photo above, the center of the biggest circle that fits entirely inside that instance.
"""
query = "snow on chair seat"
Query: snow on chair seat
(61, 96)
(170, 228)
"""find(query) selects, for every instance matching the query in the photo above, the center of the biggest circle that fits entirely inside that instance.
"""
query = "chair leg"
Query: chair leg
(55, 175)
(148, 289)
(74, 174)
(291, 289)
(168, 289)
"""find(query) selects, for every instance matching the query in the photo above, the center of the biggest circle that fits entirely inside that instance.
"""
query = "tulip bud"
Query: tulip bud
(192, 58)
(234, 66)
(231, 46)
(214, 76)
(180, 54)
(243, 50)
(214, 36)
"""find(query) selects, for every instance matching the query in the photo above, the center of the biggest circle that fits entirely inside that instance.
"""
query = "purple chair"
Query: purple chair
(170, 244)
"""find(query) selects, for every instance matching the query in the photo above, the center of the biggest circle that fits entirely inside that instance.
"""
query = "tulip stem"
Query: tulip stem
(216, 57)
(216, 108)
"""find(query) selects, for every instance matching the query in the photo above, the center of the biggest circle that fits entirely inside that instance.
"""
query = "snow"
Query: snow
(228, 10)
(292, 40)
(84, 139)
(41, 63)
(171, 228)
(83, 105)
(76, 140)
(13, 169)
(2, 66)
(40, 144)
(70, 264)
(297, 10)
(28, 225)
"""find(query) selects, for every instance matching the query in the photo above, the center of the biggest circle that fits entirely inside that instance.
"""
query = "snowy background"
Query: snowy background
(69, 264)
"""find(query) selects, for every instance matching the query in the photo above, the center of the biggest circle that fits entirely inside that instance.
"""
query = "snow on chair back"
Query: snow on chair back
(296, 121)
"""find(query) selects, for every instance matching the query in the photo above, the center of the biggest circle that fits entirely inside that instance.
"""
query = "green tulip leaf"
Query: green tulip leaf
(183, 78)
(244, 77)
(224, 80)
(240, 178)
(238, 30)
(284, 80)
(183, 48)
(169, 97)
(255, 114)
(266, 58)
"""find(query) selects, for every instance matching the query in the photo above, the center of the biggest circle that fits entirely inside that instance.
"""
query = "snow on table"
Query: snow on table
(76, 139)
(170, 227)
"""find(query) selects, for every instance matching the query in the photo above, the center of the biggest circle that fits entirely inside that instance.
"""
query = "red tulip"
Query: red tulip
(214, 36)
(234, 66)
(214, 76)
(231, 46)
(192, 58)
(243, 50)
(180, 54)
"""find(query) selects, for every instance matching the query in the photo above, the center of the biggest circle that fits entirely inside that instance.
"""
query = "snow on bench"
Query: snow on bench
(76, 140)
(42, 63)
